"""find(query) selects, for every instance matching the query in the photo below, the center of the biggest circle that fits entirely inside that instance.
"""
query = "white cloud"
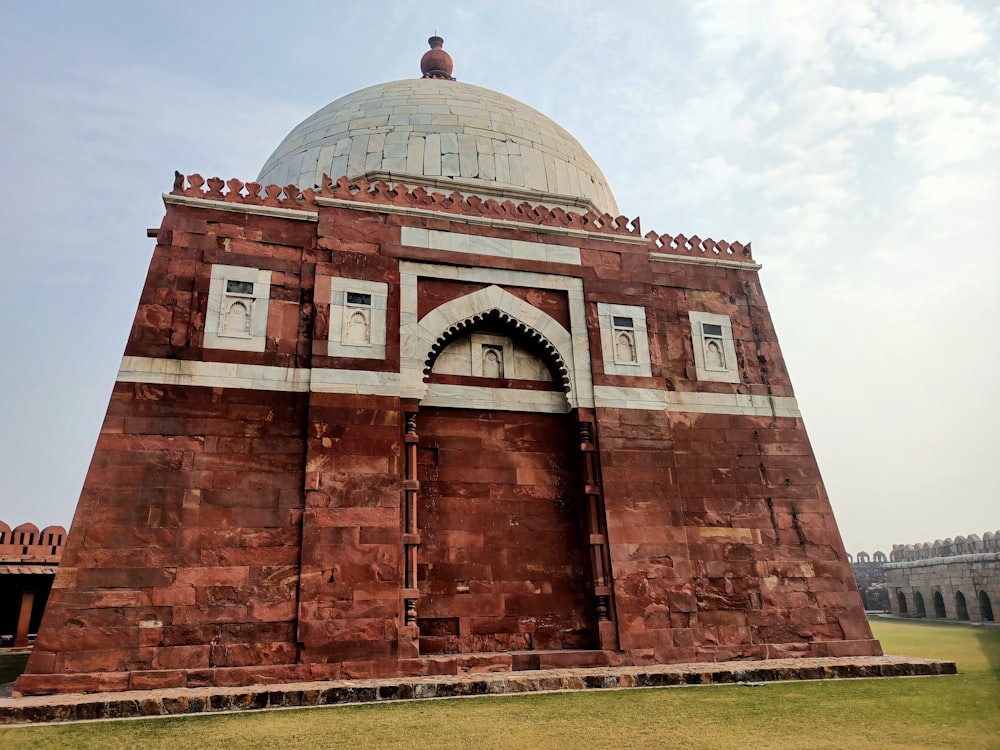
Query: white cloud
(905, 33)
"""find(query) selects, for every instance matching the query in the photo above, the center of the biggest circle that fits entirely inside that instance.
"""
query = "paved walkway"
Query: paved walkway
(177, 701)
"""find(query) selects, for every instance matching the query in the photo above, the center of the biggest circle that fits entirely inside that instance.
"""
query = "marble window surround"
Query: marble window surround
(339, 289)
(258, 308)
(606, 313)
(728, 374)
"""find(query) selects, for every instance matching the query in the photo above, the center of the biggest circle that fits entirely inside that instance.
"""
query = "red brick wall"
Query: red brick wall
(352, 532)
(186, 546)
(722, 539)
(501, 565)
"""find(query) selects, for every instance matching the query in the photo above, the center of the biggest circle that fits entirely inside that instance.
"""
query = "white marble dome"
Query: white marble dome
(445, 134)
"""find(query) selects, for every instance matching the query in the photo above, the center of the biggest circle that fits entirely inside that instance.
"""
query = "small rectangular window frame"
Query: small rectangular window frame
(611, 319)
(700, 341)
(341, 289)
(348, 302)
(237, 293)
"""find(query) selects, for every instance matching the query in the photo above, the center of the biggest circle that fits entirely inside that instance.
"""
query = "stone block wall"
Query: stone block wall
(869, 572)
(186, 553)
(738, 557)
(952, 579)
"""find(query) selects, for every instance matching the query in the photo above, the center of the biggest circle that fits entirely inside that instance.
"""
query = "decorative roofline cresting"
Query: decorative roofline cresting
(380, 192)
(960, 545)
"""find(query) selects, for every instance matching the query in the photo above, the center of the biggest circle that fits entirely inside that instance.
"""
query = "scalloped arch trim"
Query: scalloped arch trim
(446, 323)
(456, 331)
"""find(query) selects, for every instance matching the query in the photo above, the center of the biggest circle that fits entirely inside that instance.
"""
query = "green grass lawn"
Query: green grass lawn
(953, 711)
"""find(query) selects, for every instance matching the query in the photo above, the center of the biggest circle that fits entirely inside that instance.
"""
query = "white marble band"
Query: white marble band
(303, 380)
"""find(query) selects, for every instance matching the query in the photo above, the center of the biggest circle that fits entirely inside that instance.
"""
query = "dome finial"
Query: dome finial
(436, 63)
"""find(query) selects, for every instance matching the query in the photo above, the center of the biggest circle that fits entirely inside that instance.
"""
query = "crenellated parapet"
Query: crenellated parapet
(26, 543)
(863, 558)
(396, 194)
(697, 247)
(960, 545)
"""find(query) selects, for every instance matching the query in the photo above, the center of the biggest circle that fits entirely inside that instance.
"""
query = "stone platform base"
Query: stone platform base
(171, 702)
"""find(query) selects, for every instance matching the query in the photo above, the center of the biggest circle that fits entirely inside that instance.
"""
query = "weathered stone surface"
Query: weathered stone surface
(955, 579)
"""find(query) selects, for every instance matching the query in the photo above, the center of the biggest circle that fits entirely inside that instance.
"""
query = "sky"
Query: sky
(855, 143)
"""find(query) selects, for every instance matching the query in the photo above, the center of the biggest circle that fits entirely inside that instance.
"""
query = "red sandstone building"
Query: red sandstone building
(28, 562)
(446, 411)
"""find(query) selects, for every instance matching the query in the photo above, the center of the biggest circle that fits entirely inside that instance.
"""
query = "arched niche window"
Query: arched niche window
(714, 358)
(358, 328)
(492, 356)
(985, 607)
(624, 332)
(236, 321)
(237, 309)
(492, 361)
(939, 611)
(961, 608)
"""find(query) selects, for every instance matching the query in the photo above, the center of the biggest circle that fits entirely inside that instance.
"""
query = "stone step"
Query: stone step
(175, 701)
(562, 659)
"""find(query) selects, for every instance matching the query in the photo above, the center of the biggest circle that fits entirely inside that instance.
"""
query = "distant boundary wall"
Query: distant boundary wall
(954, 579)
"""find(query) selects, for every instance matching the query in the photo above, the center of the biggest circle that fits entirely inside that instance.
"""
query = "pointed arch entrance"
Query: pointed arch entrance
(510, 555)
(985, 607)
(961, 607)
(939, 610)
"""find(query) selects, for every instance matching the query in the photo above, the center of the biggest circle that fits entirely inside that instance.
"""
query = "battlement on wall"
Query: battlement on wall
(960, 545)
(682, 245)
(396, 194)
(863, 558)
(26, 542)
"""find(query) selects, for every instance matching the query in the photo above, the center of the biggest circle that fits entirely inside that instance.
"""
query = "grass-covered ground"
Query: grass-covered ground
(961, 711)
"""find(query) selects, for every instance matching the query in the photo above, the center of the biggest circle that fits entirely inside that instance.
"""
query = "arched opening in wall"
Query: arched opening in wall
(985, 607)
(901, 601)
(961, 610)
(918, 604)
(501, 563)
(939, 610)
